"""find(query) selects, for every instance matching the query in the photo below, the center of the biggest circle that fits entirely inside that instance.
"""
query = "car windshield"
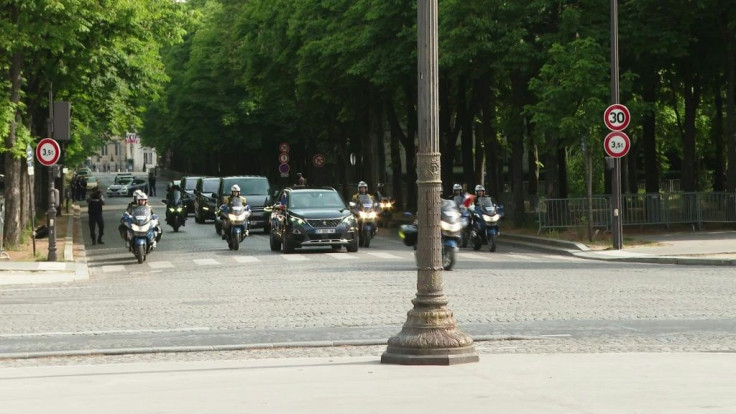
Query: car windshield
(316, 199)
(209, 186)
(248, 186)
(124, 181)
(191, 184)
(122, 178)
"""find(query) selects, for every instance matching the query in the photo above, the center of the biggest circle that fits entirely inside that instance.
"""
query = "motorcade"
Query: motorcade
(83, 172)
(304, 217)
(451, 227)
(235, 222)
(205, 204)
(122, 176)
(366, 211)
(176, 215)
(188, 184)
(141, 227)
(125, 186)
(485, 229)
(257, 191)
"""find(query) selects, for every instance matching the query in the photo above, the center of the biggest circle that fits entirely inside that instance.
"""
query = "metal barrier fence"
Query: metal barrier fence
(640, 209)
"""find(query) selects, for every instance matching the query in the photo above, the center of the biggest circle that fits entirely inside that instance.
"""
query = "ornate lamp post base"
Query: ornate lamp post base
(430, 336)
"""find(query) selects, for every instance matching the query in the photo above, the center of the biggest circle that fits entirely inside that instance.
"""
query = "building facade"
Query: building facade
(124, 154)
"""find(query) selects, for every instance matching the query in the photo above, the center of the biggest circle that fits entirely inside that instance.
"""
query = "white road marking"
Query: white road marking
(246, 259)
(294, 257)
(205, 262)
(113, 268)
(160, 265)
(123, 331)
(383, 255)
(341, 256)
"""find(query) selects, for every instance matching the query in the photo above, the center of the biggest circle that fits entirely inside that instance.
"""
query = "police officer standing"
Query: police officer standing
(94, 209)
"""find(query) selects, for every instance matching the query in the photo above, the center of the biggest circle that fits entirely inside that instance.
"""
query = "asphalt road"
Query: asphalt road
(194, 292)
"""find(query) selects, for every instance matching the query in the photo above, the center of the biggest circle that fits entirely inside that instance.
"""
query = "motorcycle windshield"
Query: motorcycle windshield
(449, 211)
(236, 206)
(486, 205)
(365, 201)
(458, 199)
(175, 198)
(141, 215)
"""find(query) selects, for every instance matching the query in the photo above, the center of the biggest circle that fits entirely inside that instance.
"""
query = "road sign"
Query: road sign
(617, 144)
(48, 152)
(616, 117)
(318, 160)
(284, 168)
(284, 157)
(284, 147)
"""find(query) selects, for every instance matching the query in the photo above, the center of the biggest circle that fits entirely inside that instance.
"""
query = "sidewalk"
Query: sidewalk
(670, 383)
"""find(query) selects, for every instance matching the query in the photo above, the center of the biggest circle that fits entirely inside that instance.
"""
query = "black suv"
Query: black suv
(312, 217)
(188, 185)
(205, 203)
(257, 192)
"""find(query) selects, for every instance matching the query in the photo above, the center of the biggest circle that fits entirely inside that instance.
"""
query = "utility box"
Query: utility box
(62, 121)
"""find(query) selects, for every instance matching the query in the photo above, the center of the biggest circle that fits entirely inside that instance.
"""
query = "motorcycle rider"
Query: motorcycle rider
(143, 201)
(362, 190)
(225, 207)
(480, 191)
(128, 210)
(170, 202)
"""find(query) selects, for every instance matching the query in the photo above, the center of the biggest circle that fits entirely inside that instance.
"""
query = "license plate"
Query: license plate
(323, 231)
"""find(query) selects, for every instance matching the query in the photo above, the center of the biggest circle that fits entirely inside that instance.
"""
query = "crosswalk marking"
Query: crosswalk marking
(246, 259)
(383, 255)
(160, 265)
(341, 256)
(518, 256)
(475, 256)
(294, 257)
(206, 262)
(113, 268)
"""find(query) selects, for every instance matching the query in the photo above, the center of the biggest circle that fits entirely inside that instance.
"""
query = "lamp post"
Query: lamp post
(430, 335)
(617, 226)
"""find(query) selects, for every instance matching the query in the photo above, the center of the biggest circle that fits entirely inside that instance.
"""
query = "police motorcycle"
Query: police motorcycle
(176, 211)
(485, 230)
(465, 221)
(386, 206)
(366, 211)
(235, 222)
(141, 227)
(451, 226)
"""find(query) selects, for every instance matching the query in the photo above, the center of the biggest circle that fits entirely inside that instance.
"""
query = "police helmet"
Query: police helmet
(362, 184)
(235, 188)
(457, 187)
(479, 188)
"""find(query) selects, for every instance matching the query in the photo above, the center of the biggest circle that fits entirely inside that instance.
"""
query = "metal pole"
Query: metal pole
(616, 225)
(51, 213)
(430, 335)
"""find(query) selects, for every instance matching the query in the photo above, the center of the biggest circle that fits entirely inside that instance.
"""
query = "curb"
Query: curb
(233, 347)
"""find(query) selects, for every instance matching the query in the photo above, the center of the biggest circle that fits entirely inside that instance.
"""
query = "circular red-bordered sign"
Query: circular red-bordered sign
(617, 144)
(616, 117)
(48, 152)
(284, 168)
(284, 147)
(284, 157)
(318, 160)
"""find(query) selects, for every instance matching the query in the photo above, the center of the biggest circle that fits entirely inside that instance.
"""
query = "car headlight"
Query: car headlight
(348, 220)
(124, 189)
(297, 221)
(205, 208)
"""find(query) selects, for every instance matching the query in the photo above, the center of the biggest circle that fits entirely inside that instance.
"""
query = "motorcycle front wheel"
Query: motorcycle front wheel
(492, 243)
(235, 243)
(367, 238)
(448, 257)
(140, 252)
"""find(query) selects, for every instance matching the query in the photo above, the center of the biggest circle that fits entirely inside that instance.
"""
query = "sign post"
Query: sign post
(48, 154)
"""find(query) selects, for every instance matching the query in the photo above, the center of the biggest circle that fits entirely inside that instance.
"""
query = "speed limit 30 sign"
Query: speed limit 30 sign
(48, 152)
(616, 117)
(617, 144)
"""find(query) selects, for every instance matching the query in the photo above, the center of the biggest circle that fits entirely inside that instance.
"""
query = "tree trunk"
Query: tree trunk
(551, 176)
(649, 139)
(11, 231)
(493, 160)
(719, 173)
(731, 115)
(691, 94)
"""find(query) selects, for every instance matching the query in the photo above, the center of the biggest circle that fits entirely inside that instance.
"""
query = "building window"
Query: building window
(104, 150)
(117, 148)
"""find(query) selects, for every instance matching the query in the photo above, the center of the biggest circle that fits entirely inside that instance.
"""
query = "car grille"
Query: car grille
(324, 223)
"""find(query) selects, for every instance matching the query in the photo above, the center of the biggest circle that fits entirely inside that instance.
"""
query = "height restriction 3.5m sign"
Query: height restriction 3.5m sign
(617, 144)
(48, 152)
(616, 117)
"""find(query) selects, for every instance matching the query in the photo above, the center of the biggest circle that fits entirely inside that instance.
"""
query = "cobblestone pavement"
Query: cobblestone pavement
(593, 306)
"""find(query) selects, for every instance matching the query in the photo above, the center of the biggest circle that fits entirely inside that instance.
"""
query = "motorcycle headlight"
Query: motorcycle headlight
(179, 209)
(138, 228)
(371, 215)
(490, 219)
(236, 217)
(172, 210)
(362, 214)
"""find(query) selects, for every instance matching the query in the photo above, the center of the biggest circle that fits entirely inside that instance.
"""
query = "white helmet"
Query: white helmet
(457, 187)
(362, 184)
(137, 194)
(234, 188)
(479, 188)
(142, 196)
